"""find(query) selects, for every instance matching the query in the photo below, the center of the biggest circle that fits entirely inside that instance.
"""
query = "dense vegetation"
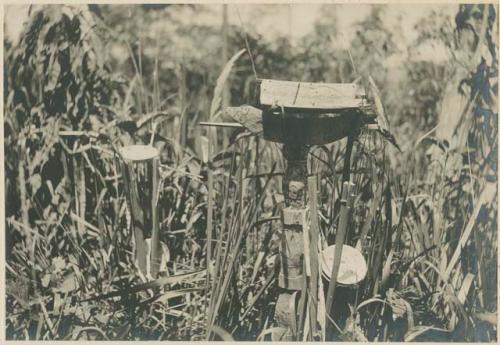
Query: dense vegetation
(84, 81)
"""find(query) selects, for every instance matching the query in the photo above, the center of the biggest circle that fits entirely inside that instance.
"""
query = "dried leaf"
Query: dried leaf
(221, 81)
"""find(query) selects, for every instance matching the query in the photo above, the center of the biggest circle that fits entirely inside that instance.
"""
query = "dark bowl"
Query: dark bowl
(310, 128)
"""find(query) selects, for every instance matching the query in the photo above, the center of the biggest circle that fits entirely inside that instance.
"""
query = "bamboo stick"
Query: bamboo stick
(155, 235)
(314, 233)
(343, 225)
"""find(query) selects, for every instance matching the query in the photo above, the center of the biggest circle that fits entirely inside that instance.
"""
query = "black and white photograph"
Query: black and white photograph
(232, 171)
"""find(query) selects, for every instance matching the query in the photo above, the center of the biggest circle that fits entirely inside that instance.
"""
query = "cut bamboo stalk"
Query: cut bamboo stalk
(155, 235)
(137, 217)
(137, 161)
(302, 303)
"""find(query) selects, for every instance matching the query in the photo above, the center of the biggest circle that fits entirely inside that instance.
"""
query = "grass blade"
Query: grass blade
(219, 86)
(222, 333)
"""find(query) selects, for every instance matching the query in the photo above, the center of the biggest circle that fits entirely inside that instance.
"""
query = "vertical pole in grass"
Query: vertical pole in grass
(182, 98)
(314, 233)
(136, 214)
(143, 212)
(258, 187)
(210, 205)
(155, 234)
(209, 237)
(343, 225)
(226, 92)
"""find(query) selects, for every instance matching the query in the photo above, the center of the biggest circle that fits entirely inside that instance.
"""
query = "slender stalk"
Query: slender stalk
(343, 225)
(209, 238)
(82, 193)
(31, 238)
(314, 233)
(155, 235)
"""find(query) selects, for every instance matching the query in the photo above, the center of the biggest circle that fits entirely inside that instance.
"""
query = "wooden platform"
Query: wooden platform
(313, 96)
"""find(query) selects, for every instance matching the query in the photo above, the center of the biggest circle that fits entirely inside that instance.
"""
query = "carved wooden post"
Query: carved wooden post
(291, 274)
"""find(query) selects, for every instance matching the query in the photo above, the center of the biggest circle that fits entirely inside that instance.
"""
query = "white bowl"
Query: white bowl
(352, 268)
(139, 153)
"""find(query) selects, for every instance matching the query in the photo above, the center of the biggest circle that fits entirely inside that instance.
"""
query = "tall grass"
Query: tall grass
(424, 219)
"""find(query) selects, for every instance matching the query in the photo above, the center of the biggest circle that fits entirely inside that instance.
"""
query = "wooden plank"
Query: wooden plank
(292, 94)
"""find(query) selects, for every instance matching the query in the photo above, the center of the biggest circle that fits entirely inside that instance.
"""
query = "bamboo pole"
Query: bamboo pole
(155, 235)
(226, 93)
(314, 233)
(342, 227)
(140, 165)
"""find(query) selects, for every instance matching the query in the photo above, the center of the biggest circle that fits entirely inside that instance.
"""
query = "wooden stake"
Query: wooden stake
(155, 235)
(314, 233)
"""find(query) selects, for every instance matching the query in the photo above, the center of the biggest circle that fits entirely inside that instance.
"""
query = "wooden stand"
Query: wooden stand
(300, 115)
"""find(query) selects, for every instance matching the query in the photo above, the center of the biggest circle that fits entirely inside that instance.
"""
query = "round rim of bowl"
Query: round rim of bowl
(353, 267)
(139, 153)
